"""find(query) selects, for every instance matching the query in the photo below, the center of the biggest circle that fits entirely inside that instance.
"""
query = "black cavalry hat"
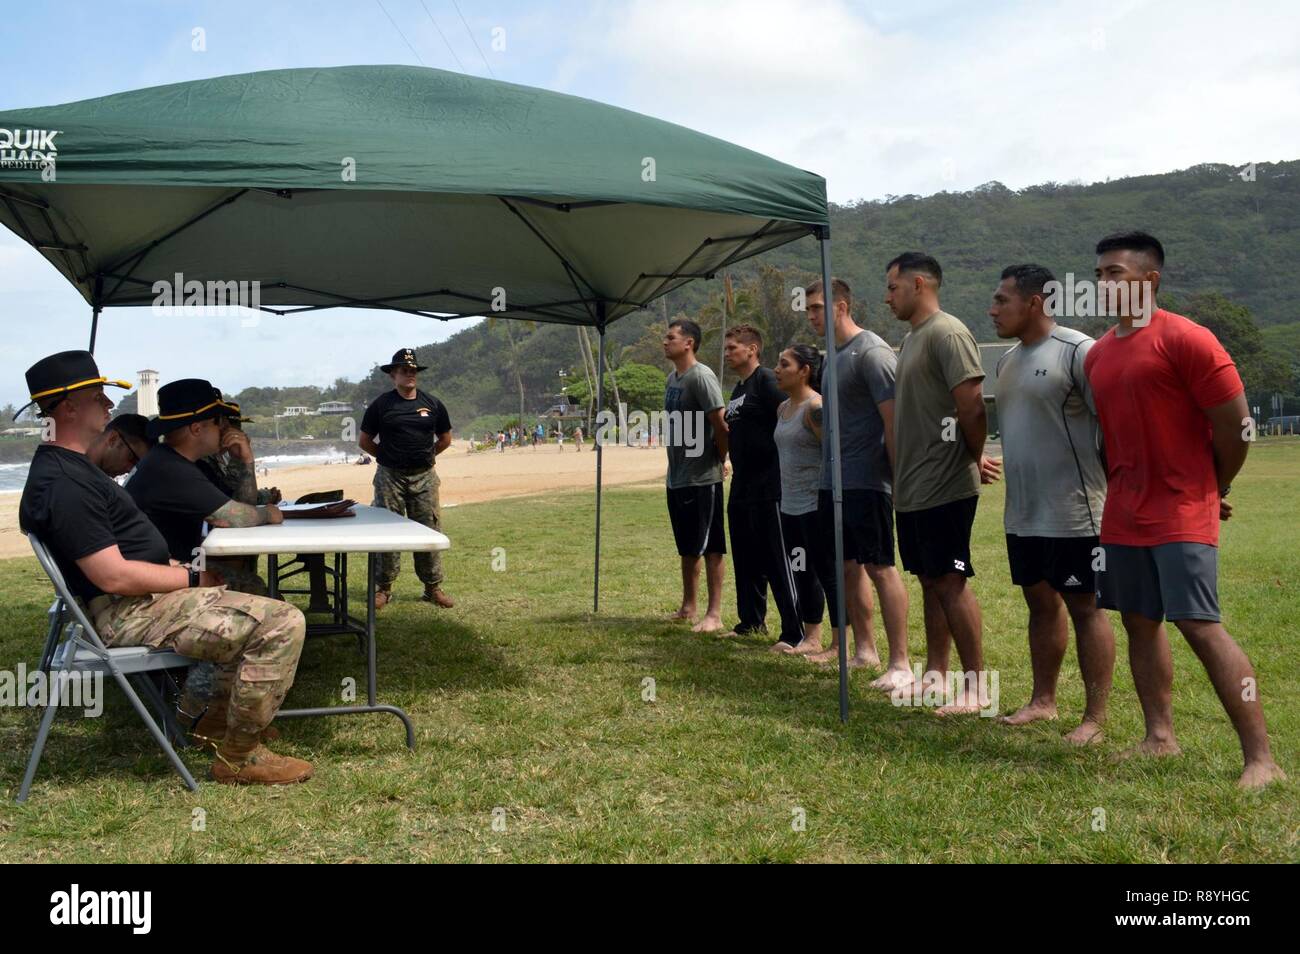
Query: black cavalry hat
(61, 374)
(402, 358)
(185, 402)
(232, 409)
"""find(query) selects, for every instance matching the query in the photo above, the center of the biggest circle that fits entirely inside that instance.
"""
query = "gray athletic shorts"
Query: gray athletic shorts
(1171, 581)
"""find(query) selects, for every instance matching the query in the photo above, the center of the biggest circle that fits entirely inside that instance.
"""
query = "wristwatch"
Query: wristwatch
(194, 576)
(1223, 491)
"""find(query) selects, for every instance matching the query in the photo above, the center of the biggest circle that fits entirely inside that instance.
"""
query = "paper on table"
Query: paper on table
(338, 508)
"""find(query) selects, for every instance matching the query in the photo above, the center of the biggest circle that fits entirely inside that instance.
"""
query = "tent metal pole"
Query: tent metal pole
(831, 401)
(95, 310)
(600, 406)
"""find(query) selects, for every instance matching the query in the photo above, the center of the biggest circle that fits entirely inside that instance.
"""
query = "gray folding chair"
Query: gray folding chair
(72, 647)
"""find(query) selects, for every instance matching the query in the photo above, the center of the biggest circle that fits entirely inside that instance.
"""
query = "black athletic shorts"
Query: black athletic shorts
(696, 515)
(868, 525)
(937, 541)
(1064, 562)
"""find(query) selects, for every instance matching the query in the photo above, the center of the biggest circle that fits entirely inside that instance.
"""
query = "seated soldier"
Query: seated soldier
(168, 484)
(233, 468)
(121, 445)
(116, 564)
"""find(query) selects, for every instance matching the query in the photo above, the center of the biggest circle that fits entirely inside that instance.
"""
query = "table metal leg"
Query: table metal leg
(372, 690)
(371, 653)
(340, 600)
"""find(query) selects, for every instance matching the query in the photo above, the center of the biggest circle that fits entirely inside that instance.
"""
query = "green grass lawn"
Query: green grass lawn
(528, 706)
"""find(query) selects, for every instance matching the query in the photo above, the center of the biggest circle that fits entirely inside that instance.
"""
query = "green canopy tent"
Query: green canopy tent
(394, 187)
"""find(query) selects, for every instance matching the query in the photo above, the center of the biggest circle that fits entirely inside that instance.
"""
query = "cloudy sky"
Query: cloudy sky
(880, 98)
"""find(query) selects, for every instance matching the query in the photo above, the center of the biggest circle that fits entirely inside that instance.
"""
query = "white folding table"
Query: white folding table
(372, 531)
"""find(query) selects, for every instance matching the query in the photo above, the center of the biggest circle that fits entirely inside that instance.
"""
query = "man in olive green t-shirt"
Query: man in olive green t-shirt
(939, 432)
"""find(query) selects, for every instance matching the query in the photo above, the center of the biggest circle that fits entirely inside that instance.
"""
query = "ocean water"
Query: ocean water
(13, 476)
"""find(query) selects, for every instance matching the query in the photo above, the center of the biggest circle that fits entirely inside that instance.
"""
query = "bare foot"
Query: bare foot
(958, 709)
(894, 679)
(1259, 774)
(781, 646)
(859, 662)
(963, 703)
(682, 613)
(824, 656)
(1088, 733)
(710, 624)
(1031, 712)
(1152, 747)
(808, 647)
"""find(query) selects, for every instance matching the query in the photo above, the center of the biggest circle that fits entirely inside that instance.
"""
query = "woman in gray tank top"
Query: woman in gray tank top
(799, 446)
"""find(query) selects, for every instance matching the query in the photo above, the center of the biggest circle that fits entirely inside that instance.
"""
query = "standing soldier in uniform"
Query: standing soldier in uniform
(405, 429)
(116, 562)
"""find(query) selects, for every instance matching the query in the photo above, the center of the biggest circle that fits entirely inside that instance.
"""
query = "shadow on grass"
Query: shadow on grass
(758, 685)
(413, 665)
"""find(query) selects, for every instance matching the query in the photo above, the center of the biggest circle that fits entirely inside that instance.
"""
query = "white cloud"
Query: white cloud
(953, 96)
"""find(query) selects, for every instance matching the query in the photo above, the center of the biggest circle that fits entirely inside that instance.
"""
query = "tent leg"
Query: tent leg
(95, 310)
(600, 406)
(830, 400)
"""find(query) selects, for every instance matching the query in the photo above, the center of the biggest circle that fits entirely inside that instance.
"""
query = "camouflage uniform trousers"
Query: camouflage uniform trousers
(240, 574)
(253, 641)
(414, 494)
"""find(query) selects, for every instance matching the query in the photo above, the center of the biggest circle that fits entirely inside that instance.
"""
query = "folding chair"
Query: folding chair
(72, 647)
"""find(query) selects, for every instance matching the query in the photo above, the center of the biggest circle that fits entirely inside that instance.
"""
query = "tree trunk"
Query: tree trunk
(584, 347)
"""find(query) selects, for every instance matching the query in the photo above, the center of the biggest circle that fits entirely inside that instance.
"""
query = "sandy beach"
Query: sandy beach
(466, 478)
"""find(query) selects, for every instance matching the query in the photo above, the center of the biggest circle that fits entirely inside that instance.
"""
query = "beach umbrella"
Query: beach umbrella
(393, 187)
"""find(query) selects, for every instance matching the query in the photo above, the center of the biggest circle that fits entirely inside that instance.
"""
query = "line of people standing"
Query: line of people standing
(1152, 413)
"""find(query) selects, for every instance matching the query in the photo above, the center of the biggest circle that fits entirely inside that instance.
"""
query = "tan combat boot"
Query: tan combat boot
(243, 760)
(211, 729)
(434, 594)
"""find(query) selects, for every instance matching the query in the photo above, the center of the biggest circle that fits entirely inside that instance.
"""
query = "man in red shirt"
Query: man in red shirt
(1173, 417)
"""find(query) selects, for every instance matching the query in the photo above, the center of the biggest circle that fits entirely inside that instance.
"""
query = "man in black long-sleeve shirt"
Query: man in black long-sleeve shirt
(758, 550)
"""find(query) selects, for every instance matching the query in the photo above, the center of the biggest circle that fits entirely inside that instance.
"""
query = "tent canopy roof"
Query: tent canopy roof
(390, 187)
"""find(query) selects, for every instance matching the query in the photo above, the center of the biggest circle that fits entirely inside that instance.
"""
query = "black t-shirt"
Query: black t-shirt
(210, 471)
(406, 430)
(176, 495)
(751, 420)
(76, 510)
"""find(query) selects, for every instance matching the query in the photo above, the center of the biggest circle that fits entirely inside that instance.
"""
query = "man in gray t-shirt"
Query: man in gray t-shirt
(1056, 484)
(864, 388)
(864, 369)
(688, 432)
(1056, 487)
(696, 437)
